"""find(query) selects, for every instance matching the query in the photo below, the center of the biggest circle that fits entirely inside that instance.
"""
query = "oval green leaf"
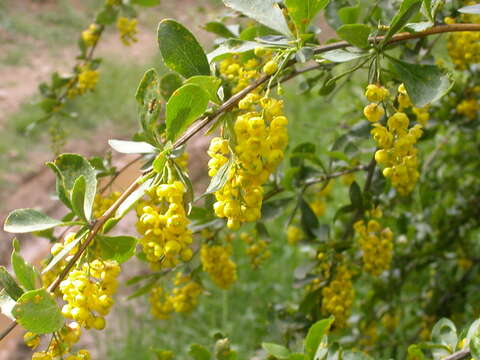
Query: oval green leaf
(180, 50)
(38, 312)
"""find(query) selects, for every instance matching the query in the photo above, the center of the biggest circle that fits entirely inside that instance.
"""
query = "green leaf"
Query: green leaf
(148, 3)
(308, 218)
(278, 351)
(210, 84)
(303, 12)
(118, 248)
(341, 55)
(29, 220)
(415, 353)
(406, 11)
(66, 249)
(25, 273)
(355, 34)
(266, 12)
(475, 347)
(219, 29)
(198, 352)
(148, 97)
(315, 336)
(6, 304)
(169, 83)
(69, 167)
(220, 178)
(132, 147)
(38, 312)
(424, 83)
(471, 9)
(356, 197)
(232, 46)
(444, 332)
(184, 106)
(297, 356)
(107, 16)
(8, 283)
(180, 50)
(349, 14)
(78, 197)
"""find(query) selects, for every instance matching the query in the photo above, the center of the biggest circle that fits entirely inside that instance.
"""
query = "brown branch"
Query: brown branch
(230, 103)
(459, 355)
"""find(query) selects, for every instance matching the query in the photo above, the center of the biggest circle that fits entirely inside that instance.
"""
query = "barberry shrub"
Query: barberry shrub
(386, 216)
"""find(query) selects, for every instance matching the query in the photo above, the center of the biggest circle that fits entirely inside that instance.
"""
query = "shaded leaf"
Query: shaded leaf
(424, 83)
(278, 351)
(184, 106)
(118, 248)
(303, 12)
(24, 272)
(8, 283)
(355, 34)
(406, 11)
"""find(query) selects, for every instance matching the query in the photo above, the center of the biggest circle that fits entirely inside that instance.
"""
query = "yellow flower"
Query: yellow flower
(270, 67)
(373, 112)
(375, 93)
(90, 36)
(294, 234)
(128, 30)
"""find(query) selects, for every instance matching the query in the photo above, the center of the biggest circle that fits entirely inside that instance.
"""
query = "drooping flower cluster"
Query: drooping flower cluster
(128, 30)
(257, 249)
(162, 222)
(338, 296)
(376, 243)
(217, 263)
(182, 299)
(464, 47)
(88, 292)
(60, 345)
(396, 141)
(261, 137)
(103, 203)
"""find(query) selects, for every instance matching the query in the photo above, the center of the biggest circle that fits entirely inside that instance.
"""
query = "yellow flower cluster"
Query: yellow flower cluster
(376, 244)
(294, 234)
(396, 141)
(261, 138)
(338, 296)
(469, 108)
(60, 345)
(257, 249)
(162, 222)
(103, 203)
(128, 30)
(90, 36)
(318, 205)
(217, 263)
(86, 80)
(88, 292)
(464, 47)
(239, 74)
(182, 299)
